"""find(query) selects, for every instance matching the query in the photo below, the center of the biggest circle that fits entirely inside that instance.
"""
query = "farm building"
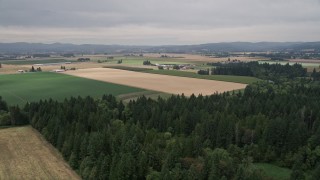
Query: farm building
(58, 70)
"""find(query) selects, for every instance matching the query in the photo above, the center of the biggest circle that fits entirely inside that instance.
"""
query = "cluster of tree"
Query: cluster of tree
(147, 62)
(63, 67)
(83, 59)
(40, 55)
(315, 75)
(176, 67)
(309, 56)
(35, 70)
(239, 69)
(274, 56)
(68, 55)
(101, 61)
(204, 72)
(0, 65)
(11, 115)
(119, 61)
(4, 114)
(263, 71)
(217, 54)
(164, 56)
(203, 137)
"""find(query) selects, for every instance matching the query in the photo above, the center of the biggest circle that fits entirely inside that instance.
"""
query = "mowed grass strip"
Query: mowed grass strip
(25, 154)
(28, 87)
(130, 68)
(227, 78)
(274, 171)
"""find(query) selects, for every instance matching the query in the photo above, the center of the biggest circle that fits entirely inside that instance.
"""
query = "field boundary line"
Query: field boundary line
(19, 97)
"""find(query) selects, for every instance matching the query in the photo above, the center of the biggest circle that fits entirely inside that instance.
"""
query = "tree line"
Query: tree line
(262, 71)
(12, 115)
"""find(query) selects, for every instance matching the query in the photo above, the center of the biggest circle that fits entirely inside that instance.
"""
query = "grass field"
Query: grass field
(22, 88)
(273, 171)
(138, 61)
(30, 62)
(129, 68)
(25, 154)
(227, 78)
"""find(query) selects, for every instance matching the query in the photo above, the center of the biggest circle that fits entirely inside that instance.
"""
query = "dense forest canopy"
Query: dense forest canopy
(262, 71)
(203, 137)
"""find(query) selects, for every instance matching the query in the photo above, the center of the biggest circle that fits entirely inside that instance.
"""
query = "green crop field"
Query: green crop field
(42, 61)
(129, 68)
(138, 61)
(273, 171)
(22, 88)
(228, 78)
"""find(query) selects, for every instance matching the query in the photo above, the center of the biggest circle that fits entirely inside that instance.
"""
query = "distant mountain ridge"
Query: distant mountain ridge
(23, 47)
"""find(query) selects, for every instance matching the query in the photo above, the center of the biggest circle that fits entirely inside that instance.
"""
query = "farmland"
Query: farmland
(190, 74)
(196, 58)
(162, 83)
(25, 154)
(136, 61)
(27, 87)
(227, 78)
(34, 61)
(198, 125)
(13, 68)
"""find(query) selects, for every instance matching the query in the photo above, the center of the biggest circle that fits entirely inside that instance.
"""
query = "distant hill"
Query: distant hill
(240, 47)
(201, 48)
(64, 48)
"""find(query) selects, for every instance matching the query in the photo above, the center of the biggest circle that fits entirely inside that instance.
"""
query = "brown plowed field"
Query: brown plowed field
(162, 83)
(24, 154)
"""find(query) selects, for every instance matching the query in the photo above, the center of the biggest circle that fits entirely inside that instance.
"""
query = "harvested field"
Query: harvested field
(12, 69)
(162, 83)
(25, 154)
(305, 60)
(195, 58)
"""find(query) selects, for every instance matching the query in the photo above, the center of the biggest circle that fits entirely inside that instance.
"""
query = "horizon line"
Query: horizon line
(99, 44)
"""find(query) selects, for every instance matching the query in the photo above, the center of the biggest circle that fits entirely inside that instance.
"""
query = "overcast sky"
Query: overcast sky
(158, 22)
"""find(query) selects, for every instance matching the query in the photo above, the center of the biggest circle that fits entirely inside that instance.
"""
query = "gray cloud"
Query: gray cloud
(189, 17)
